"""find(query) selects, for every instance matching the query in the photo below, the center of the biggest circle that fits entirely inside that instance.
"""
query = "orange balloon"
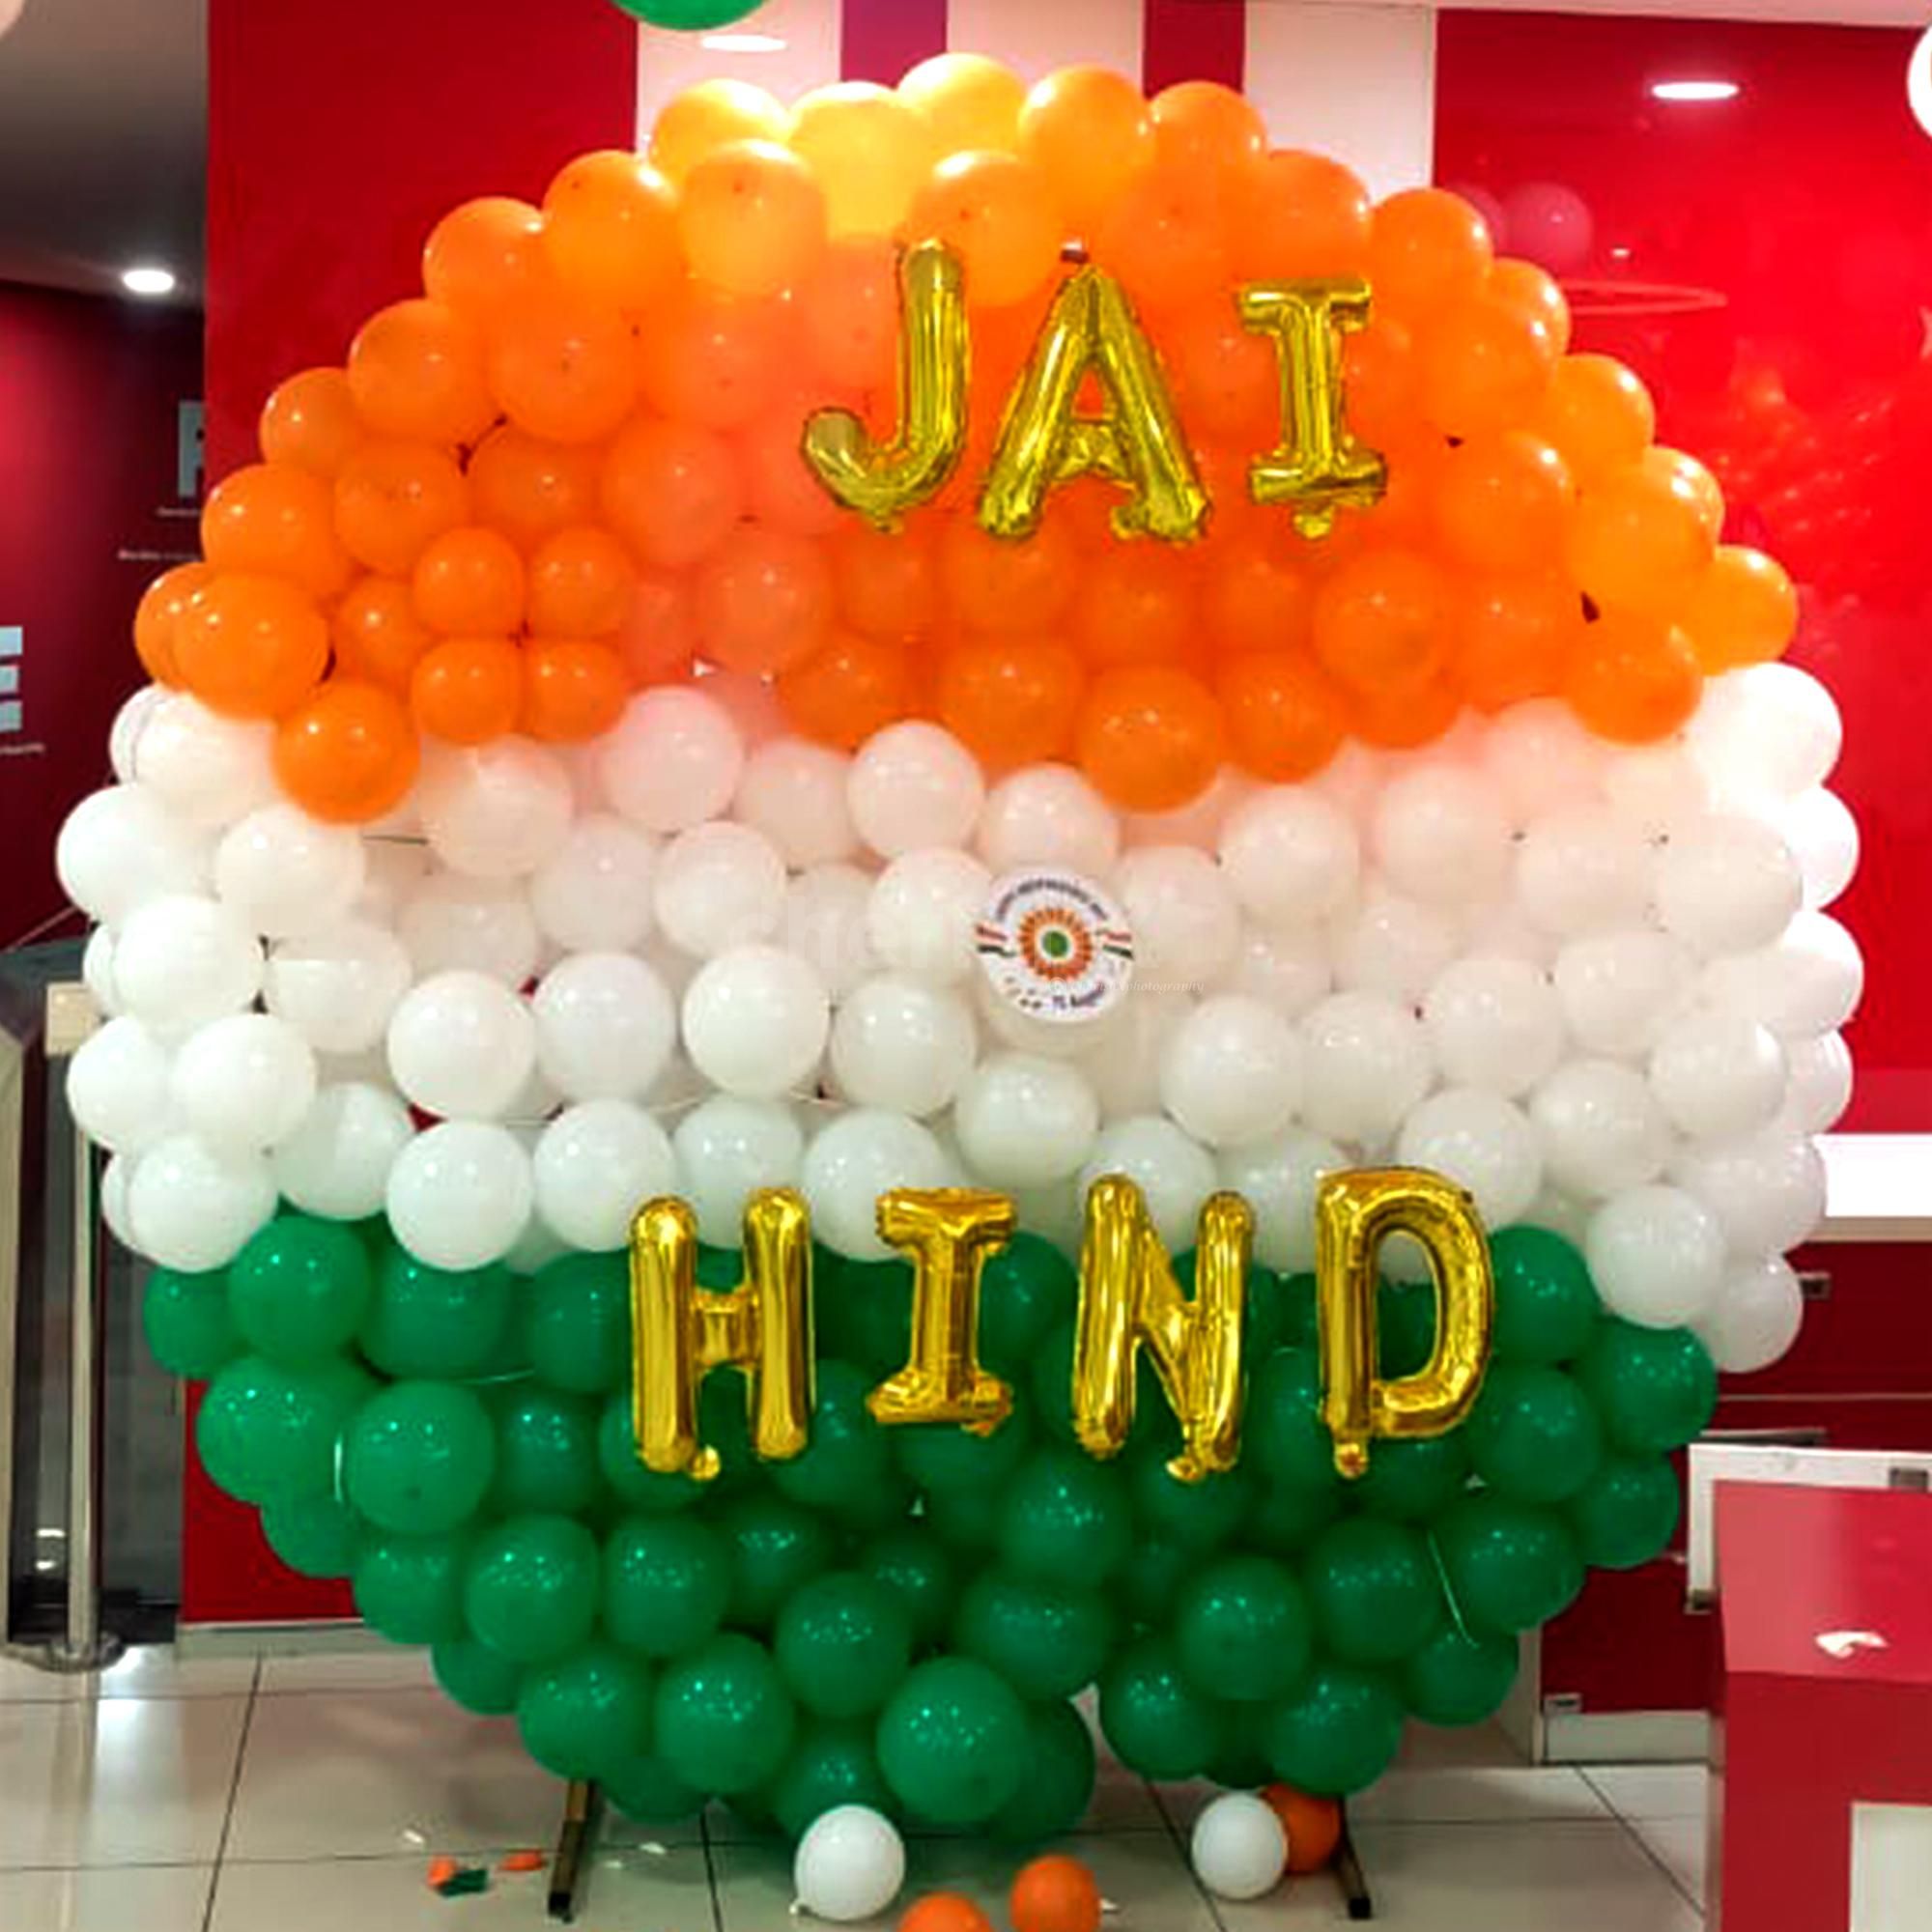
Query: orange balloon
(1524, 286)
(158, 613)
(377, 634)
(781, 490)
(1633, 679)
(468, 690)
(393, 499)
(1639, 540)
(1742, 611)
(1313, 1825)
(1597, 414)
(849, 688)
(1514, 638)
(867, 149)
(1055, 1894)
(1403, 719)
(1137, 605)
(273, 520)
(417, 371)
(1011, 700)
(1226, 381)
(1286, 719)
(1255, 599)
(714, 359)
(1168, 238)
(348, 754)
(485, 256)
(1381, 377)
(1380, 621)
(1300, 216)
(710, 116)
(1427, 248)
(610, 229)
(1485, 366)
(1089, 132)
(1208, 130)
(671, 490)
(251, 647)
(528, 488)
(968, 101)
(887, 587)
(1501, 502)
(763, 601)
(310, 422)
(992, 584)
(1150, 736)
(850, 312)
(1677, 470)
(752, 219)
(997, 212)
(573, 689)
(658, 637)
(470, 583)
(944, 1912)
(581, 585)
(563, 368)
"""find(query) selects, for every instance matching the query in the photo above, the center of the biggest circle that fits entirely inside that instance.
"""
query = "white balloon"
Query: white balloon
(1181, 912)
(1503, 931)
(1755, 1315)
(461, 1046)
(209, 770)
(606, 1026)
(1119, 1052)
(1819, 1084)
(130, 726)
(727, 1150)
(1387, 942)
(755, 1021)
(1717, 1072)
(1238, 1848)
(1198, 822)
(854, 1159)
(288, 873)
(477, 926)
(1174, 1175)
(924, 909)
(1481, 1140)
(122, 847)
(1441, 835)
(1292, 855)
(1656, 787)
(1024, 1121)
(593, 893)
(672, 760)
(1543, 759)
(913, 785)
(181, 962)
(1811, 981)
(496, 811)
(1048, 815)
(196, 1207)
(1657, 1255)
(1822, 836)
(1053, 1211)
(1279, 1178)
(718, 885)
(96, 970)
(1603, 1130)
(1765, 1189)
(1619, 990)
(338, 1161)
(850, 1865)
(460, 1194)
(793, 792)
(750, 702)
(1231, 1070)
(826, 924)
(1494, 1022)
(1768, 729)
(903, 1046)
(1353, 778)
(1582, 869)
(116, 1177)
(1285, 966)
(1726, 883)
(594, 1167)
(338, 985)
(393, 869)
(1366, 1062)
(243, 1082)
(117, 1087)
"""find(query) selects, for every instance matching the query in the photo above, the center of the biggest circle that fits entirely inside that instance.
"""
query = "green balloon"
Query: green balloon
(1414, 1480)
(968, 1522)
(1045, 1639)
(1197, 1515)
(299, 1289)
(427, 1322)
(1284, 1522)
(1052, 1391)
(580, 1323)
(689, 17)
(1626, 1513)
(914, 1564)
(1533, 1433)
(1455, 1679)
(1157, 1722)
(478, 1678)
(1056, 1779)
(267, 1434)
(864, 1311)
(1242, 1763)
(646, 1788)
(1654, 1388)
(1546, 1309)
(777, 1548)
(666, 1582)
(951, 1742)
(1301, 1325)
(726, 1720)
(588, 1713)
(410, 1588)
(1510, 1565)
(721, 1412)
(419, 1457)
(947, 1455)
(1373, 1587)
(531, 1589)
(1284, 1433)
(547, 1460)
(846, 1457)
(1027, 1288)
(843, 1642)
(1338, 1734)
(1242, 1629)
(315, 1536)
(189, 1323)
(833, 1764)
(1406, 1328)
(1068, 1518)
(1151, 1582)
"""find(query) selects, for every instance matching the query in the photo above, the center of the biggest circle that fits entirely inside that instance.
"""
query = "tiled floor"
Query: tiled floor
(308, 1794)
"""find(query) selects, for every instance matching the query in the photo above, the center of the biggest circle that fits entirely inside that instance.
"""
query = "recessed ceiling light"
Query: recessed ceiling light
(148, 280)
(1694, 90)
(742, 43)
(1919, 81)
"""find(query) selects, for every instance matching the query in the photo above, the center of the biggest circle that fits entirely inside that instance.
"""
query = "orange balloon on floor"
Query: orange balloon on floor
(944, 1912)
(1055, 1894)
(1313, 1825)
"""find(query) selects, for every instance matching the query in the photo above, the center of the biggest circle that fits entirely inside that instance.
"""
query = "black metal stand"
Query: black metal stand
(580, 1807)
(1350, 1876)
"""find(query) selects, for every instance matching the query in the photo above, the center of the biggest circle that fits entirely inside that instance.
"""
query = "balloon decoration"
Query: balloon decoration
(689, 15)
(953, 895)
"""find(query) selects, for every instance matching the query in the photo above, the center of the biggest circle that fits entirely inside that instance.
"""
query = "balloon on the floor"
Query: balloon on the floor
(1238, 1848)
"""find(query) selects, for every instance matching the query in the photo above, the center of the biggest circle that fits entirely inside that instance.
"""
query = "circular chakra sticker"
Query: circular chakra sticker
(1055, 946)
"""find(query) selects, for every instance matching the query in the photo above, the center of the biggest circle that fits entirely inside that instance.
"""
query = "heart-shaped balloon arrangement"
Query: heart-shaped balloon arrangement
(552, 798)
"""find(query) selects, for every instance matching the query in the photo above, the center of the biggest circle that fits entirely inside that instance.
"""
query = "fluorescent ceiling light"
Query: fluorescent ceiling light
(148, 280)
(742, 43)
(1694, 90)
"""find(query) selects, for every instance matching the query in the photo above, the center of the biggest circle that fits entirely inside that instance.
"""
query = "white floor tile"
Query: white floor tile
(1477, 1795)
(151, 1671)
(369, 1773)
(156, 1898)
(123, 1781)
(393, 1668)
(1679, 1844)
(630, 1889)
(1652, 1790)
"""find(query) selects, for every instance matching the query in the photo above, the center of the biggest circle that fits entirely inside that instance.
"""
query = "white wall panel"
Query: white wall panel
(1036, 36)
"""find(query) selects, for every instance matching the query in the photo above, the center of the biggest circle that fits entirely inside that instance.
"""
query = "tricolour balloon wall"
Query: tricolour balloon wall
(550, 798)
